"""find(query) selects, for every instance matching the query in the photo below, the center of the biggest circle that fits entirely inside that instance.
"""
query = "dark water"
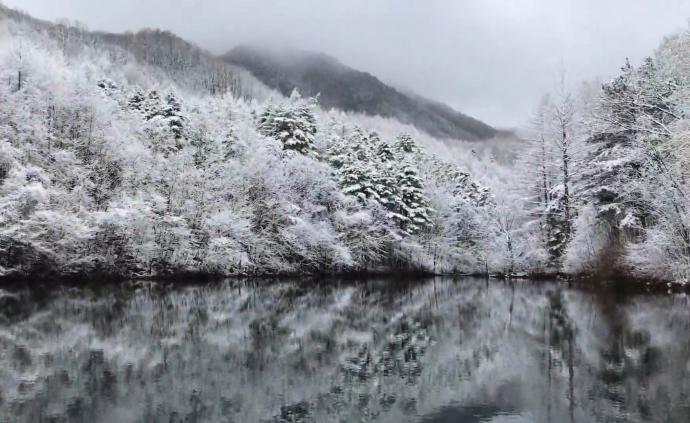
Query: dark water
(440, 350)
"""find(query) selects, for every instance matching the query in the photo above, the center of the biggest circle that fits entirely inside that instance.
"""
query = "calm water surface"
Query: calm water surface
(440, 350)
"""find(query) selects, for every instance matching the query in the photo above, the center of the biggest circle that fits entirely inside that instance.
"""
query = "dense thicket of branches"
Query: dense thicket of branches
(113, 160)
(605, 171)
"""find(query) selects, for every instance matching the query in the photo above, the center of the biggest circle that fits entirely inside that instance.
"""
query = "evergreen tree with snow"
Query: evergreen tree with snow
(356, 179)
(354, 166)
(385, 153)
(405, 144)
(165, 119)
(628, 182)
(361, 145)
(338, 152)
(230, 143)
(413, 206)
(385, 182)
(152, 105)
(363, 172)
(633, 116)
(136, 101)
(171, 113)
(205, 150)
(293, 123)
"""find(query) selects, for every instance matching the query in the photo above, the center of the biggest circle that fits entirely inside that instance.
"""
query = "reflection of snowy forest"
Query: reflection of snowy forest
(141, 155)
(345, 352)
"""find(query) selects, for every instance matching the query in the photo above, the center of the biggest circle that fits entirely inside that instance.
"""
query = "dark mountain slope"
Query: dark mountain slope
(344, 88)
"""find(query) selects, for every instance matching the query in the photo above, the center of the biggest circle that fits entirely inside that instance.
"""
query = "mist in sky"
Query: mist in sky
(491, 59)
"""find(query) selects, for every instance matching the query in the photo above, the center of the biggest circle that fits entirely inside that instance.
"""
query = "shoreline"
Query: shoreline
(619, 281)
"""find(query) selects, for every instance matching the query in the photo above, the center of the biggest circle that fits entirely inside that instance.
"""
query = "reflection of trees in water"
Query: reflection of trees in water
(560, 351)
(399, 357)
(635, 377)
(311, 353)
(367, 374)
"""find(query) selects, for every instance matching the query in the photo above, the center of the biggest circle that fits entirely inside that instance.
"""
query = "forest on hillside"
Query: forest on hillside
(141, 155)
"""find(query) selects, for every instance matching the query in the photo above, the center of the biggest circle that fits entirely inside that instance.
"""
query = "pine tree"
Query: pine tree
(361, 171)
(629, 117)
(136, 101)
(385, 153)
(171, 113)
(356, 179)
(367, 168)
(292, 123)
(360, 144)
(384, 179)
(230, 143)
(205, 150)
(166, 118)
(627, 181)
(338, 151)
(405, 144)
(374, 138)
(619, 99)
(151, 105)
(413, 206)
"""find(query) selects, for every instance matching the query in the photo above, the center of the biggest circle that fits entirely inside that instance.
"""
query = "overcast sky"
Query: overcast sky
(492, 59)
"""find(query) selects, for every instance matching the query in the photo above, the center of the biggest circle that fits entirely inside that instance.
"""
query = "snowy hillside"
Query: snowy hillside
(141, 155)
(117, 160)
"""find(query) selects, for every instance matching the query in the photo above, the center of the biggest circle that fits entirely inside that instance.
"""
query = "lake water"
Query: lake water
(437, 350)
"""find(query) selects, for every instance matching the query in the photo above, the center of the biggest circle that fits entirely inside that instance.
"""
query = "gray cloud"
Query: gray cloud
(489, 58)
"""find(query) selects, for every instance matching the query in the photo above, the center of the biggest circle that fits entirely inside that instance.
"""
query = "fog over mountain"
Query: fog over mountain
(341, 87)
(480, 57)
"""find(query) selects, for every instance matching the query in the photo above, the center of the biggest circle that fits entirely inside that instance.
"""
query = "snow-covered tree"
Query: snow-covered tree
(632, 117)
(385, 153)
(385, 183)
(557, 227)
(171, 113)
(292, 123)
(357, 180)
(548, 166)
(405, 144)
(136, 101)
(536, 165)
(413, 205)
(564, 117)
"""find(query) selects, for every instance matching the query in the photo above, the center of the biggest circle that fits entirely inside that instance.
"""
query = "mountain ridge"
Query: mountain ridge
(342, 87)
(281, 69)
